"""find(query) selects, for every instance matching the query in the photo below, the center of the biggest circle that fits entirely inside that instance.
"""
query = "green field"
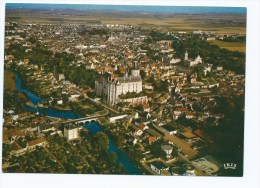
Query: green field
(233, 46)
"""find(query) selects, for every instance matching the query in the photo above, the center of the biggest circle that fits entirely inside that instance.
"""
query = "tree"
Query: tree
(112, 157)
(65, 99)
(91, 94)
(214, 90)
(121, 169)
(156, 150)
(101, 141)
(162, 86)
(6, 150)
(70, 168)
(54, 102)
(143, 74)
(120, 140)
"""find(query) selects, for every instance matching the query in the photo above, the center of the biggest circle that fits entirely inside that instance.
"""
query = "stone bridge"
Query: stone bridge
(84, 119)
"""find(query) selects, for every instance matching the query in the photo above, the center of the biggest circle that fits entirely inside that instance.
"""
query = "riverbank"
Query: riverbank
(122, 158)
(35, 102)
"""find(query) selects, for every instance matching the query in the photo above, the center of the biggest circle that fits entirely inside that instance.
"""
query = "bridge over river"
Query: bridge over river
(84, 119)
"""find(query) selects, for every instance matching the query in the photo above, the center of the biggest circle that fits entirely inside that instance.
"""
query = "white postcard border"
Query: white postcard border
(252, 123)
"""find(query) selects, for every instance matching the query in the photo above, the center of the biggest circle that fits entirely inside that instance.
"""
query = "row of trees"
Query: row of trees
(212, 54)
(234, 38)
(157, 36)
(98, 144)
(94, 31)
(61, 62)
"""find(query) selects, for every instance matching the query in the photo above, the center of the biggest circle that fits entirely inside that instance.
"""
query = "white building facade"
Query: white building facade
(110, 88)
(71, 132)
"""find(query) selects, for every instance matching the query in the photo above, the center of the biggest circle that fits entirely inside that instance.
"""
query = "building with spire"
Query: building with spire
(186, 56)
(192, 63)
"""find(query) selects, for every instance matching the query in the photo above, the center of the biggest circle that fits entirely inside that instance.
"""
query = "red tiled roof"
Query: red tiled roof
(200, 134)
(17, 133)
(151, 139)
(146, 106)
(141, 126)
(153, 65)
(36, 142)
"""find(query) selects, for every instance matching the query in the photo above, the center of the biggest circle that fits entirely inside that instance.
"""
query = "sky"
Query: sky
(161, 9)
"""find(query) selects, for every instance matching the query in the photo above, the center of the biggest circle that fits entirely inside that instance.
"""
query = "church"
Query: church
(112, 86)
(193, 63)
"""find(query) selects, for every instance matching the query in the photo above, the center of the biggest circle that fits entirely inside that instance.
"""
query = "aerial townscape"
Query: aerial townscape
(112, 90)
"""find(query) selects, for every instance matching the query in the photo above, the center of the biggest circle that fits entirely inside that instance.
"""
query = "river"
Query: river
(93, 127)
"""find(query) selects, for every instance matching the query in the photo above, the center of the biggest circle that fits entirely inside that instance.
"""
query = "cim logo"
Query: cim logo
(232, 166)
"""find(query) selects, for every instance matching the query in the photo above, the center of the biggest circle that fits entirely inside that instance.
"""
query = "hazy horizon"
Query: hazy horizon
(131, 8)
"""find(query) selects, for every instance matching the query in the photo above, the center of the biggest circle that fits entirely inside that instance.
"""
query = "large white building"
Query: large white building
(193, 63)
(112, 86)
(71, 132)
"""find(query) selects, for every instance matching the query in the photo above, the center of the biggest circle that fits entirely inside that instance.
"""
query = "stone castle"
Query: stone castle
(112, 86)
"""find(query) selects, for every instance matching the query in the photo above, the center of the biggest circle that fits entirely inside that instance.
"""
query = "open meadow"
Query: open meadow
(233, 46)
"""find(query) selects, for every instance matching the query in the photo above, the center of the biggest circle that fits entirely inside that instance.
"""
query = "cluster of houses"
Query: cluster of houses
(126, 62)
(177, 146)
(29, 132)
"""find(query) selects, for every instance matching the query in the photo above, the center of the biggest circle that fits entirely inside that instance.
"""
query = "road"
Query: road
(105, 106)
(182, 145)
(52, 156)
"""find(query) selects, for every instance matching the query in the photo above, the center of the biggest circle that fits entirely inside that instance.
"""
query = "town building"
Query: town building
(71, 132)
(40, 142)
(208, 165)
(158, 167)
